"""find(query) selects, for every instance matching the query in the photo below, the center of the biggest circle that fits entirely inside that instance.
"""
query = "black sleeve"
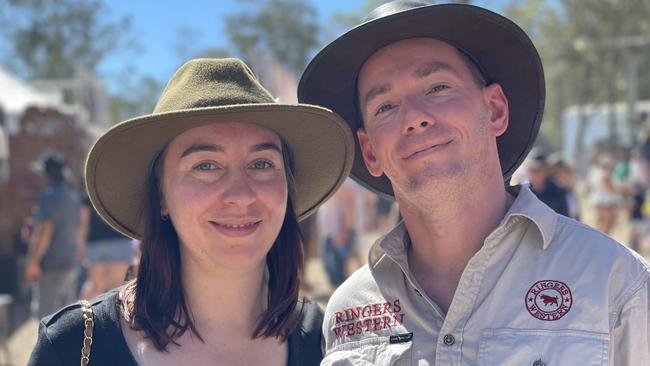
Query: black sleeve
(305, 343)
(44, 353)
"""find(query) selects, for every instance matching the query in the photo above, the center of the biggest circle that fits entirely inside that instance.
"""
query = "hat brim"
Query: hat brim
(502, 50)
(119, 164)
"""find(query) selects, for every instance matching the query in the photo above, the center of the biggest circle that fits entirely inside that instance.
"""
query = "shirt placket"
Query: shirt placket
(450, 341)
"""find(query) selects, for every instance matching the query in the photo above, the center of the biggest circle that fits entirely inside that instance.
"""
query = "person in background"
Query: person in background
(544, 186)
(604, 196)
(4, 149)
(55, 252)
(564, 176)
(338, 224)
(108, 254)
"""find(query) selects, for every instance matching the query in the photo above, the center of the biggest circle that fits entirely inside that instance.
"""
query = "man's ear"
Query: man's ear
(497, 104)
(367, 151)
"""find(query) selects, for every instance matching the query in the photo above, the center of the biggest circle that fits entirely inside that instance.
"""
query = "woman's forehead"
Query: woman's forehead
(226, 134)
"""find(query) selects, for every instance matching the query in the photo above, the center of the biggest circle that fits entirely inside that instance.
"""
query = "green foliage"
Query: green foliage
(586, 46)
(50, 38)
(137, 96)
(287, 30)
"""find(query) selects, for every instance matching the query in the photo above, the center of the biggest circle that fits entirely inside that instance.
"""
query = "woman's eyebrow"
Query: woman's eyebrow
(266, 146)
(201, 147)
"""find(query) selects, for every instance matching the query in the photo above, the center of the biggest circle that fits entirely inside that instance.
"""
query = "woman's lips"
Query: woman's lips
(236, 229)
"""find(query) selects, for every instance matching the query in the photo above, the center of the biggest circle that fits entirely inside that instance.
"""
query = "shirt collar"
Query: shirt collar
(526, 205)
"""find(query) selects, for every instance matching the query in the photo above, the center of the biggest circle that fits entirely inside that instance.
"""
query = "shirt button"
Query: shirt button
(449, 340)
(539, 363)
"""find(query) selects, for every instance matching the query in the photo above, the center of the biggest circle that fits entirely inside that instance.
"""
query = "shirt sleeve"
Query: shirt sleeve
(630, 338)
(44, 353)
(45, 209)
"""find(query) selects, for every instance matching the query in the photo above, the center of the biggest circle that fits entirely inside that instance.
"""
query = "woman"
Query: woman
(213, 183)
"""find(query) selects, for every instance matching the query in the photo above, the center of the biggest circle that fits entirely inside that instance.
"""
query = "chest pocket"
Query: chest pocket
(375, 351)
(542, 348)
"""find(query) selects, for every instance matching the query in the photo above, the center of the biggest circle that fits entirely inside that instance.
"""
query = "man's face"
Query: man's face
(426, 119)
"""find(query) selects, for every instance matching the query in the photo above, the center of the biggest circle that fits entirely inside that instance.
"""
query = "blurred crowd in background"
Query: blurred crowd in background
(591, 161)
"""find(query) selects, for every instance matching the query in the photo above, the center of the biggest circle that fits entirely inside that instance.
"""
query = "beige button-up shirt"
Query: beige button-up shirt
(543, 290)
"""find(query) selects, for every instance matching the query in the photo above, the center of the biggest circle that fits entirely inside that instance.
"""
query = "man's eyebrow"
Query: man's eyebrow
(266, 146)
(201, 147)
(432, 67)
(375, 91)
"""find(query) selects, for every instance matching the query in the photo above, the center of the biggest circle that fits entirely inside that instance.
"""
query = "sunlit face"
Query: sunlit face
(426, 119)
(225, 189)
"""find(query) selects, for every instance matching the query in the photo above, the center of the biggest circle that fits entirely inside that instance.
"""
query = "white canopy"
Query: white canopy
(16, 95)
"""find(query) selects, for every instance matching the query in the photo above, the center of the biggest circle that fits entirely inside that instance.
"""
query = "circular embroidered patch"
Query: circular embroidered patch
(549, 300)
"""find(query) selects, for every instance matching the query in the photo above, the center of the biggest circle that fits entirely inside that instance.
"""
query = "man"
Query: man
(545, 187)
(447, 100)
(53, 260)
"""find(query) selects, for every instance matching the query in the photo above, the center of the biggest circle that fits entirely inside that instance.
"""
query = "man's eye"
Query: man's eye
(261, 164)
(437, 88)
(206, 165)
(384, 108)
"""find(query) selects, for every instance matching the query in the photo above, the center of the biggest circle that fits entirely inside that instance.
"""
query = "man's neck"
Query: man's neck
(446, 234)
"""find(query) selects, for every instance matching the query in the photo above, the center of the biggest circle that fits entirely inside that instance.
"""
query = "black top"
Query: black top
(60, 336)
(554, 196)
(98, 229)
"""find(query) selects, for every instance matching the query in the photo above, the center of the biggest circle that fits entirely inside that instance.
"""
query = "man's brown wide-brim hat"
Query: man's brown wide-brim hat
(205, 91)
(500, 49)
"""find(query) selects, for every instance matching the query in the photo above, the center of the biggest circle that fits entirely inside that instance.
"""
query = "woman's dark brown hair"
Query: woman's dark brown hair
(155, 302)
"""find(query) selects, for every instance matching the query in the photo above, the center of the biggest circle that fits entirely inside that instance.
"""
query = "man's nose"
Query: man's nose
(416, 116)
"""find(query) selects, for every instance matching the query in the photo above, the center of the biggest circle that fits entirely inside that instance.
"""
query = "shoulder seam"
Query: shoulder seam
(49, 340)
(627, 295)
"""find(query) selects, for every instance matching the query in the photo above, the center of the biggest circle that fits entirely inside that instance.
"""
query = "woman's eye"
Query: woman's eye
(261, 164)
(437, 88)
(206, 165)
(384, 108)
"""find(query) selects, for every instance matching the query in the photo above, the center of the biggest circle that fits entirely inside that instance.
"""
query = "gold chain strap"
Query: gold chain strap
(88, 332)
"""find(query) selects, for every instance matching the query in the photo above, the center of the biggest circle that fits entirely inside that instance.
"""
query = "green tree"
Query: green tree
(51, 38)
(137, 96)
(286, 30)
(585, 46)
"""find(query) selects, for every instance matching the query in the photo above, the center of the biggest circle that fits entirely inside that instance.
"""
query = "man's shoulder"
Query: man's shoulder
(568, 230)
(361, 285)
(574, 239)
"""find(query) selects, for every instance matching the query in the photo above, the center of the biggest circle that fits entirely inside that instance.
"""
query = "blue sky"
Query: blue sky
(156, 25)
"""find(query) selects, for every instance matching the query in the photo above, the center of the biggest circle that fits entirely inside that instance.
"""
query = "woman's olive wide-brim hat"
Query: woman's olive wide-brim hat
(201, 92)
(500, 49)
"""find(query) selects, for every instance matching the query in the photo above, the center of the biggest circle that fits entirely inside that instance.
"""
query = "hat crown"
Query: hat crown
(392, 8)
(207, 82)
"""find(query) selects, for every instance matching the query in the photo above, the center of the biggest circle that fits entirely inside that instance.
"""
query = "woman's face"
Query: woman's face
(224, 187)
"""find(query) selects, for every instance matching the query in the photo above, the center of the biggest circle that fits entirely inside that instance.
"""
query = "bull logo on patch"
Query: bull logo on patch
(549, 300)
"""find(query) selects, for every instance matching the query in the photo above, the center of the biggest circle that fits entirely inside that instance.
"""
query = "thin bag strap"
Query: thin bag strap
(88, 332)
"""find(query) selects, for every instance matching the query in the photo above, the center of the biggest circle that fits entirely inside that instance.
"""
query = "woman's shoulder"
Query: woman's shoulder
(311, 316)
(305, 340)
(61, 335)
(70, 318)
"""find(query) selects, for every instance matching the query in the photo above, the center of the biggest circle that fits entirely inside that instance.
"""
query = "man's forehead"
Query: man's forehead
(424, 43)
